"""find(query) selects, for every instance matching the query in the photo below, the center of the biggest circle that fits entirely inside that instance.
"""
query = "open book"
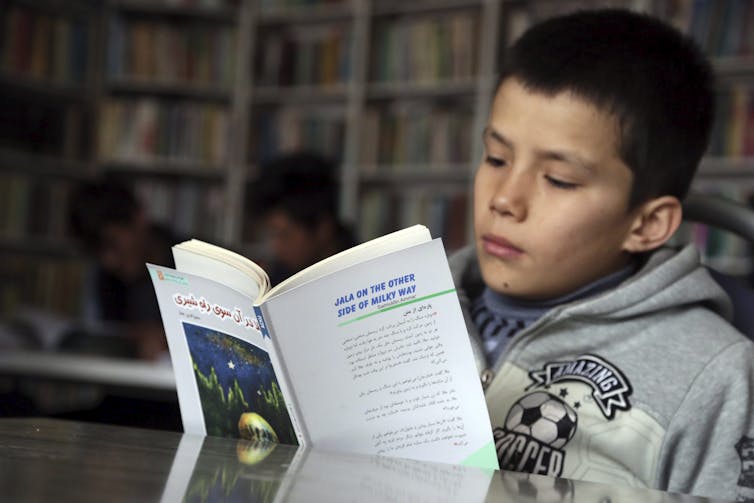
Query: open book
(365, 351)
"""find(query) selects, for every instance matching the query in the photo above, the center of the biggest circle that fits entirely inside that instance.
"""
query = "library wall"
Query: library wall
(186, 99)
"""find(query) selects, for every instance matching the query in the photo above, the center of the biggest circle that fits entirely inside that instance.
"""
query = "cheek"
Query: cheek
(482, 192)
(580, 235)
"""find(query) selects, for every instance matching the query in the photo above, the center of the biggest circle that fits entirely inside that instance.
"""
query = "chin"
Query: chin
(515, 293)
(497, 283)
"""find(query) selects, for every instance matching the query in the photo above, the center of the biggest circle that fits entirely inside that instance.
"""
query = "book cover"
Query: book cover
(227, 383)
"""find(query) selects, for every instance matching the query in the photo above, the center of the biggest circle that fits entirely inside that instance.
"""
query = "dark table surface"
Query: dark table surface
(57, 460)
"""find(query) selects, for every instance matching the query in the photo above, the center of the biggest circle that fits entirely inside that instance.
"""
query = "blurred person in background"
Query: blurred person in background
(110, 221)
(296, 198)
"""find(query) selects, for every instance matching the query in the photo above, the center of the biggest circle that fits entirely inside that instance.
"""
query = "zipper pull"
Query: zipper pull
(486, 377)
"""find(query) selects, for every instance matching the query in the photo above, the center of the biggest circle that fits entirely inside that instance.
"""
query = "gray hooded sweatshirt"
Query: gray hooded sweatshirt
(645, 384)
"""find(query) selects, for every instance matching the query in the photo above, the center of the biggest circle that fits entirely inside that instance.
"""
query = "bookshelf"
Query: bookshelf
(418, 119)
(301, 87)
(185, 99)
(46, 88)
(165, 107)
(375, 85)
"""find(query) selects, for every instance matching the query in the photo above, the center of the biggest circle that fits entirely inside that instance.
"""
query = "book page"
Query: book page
(225, 370)
(213, 262)
(380, 363)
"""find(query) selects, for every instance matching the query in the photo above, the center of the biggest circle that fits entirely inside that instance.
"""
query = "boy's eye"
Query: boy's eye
(494, 161)
(560, 184)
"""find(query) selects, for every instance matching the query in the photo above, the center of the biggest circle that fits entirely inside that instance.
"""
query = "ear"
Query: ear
(654, 223)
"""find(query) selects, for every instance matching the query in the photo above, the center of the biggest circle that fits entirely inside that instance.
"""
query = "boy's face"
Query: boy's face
(551, 195)
(294, 245)
(122, 249)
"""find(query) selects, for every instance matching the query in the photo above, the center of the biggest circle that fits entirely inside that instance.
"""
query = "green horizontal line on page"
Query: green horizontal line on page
(413, 301)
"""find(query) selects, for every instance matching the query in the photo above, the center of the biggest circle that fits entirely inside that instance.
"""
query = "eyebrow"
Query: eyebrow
(491, 133)
(553, 155)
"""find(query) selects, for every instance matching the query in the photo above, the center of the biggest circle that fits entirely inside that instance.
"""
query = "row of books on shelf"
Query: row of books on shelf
(188, 207)
(313, 55)
(150, 130)
(297, 128)
(33, 207)
(416, 132)
(51, 284)
(425, 49)
(733, 134)
(444, 213)
(274, 5)
(43, 46)
(403, 133)
(156, 51)
(203, 4)
(719, 249)
(722, 28)
(53, 128)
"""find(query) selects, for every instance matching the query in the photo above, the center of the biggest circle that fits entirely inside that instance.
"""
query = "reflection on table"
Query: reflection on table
(46, 459)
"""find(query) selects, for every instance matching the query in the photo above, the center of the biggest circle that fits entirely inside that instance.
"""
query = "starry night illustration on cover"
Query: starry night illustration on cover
(238, 389)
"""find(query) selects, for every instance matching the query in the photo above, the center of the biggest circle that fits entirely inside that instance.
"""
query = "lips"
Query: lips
(500, 247)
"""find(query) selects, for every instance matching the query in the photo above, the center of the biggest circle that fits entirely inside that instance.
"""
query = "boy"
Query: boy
(297, 200)
(605, 356)
(108, 219)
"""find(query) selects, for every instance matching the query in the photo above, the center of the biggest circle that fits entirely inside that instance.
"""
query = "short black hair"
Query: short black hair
(98, 203)
(652, 78)
(302, 184)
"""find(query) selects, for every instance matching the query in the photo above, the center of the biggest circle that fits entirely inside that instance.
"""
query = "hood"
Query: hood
(669, 279)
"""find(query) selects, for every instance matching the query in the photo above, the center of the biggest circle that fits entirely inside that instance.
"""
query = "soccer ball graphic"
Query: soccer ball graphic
(543, 417)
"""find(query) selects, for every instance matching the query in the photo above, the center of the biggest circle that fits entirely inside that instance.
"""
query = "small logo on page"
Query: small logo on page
(167, 276)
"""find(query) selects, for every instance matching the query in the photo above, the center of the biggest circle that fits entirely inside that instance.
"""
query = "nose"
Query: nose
(510, 195)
